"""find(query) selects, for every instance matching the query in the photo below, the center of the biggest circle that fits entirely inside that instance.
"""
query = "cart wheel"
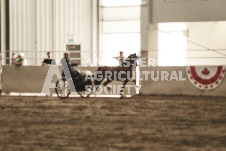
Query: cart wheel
(86, 93)
(62, 88)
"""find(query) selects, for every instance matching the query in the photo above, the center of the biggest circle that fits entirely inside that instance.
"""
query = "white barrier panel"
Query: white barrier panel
(25, 79)
(30, 79)
(182, 86)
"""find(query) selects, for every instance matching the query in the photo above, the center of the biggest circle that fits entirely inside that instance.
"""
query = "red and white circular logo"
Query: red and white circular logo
(206, 77)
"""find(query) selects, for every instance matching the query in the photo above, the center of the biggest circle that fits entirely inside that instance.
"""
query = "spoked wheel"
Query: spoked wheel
(86, 93)
(62, 88)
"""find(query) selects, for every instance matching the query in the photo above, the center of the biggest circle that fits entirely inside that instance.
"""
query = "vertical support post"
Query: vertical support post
(98, 31)
(91, 30)
(7, 36)
(149, 35)
(3, 31)
(35, 33)
(53, 27)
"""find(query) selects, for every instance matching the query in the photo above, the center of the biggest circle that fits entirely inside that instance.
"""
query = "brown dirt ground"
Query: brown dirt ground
(137, 123)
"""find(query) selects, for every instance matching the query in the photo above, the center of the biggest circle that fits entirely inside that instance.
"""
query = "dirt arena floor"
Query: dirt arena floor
(108, 124)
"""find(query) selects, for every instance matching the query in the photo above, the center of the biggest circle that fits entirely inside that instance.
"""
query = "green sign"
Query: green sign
(71, 40)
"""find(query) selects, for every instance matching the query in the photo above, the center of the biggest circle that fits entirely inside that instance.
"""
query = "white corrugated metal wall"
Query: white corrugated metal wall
(38, 26)
(22, 38)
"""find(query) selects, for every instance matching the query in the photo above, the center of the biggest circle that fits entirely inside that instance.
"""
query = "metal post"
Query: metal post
(7, 36)
(91, 30)
(35, 32)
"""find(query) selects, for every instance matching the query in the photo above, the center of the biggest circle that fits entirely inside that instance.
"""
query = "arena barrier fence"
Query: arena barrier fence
(180, 85)
(30, 79)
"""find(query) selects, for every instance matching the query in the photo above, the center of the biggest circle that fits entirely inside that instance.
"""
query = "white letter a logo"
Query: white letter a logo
(53, 70)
